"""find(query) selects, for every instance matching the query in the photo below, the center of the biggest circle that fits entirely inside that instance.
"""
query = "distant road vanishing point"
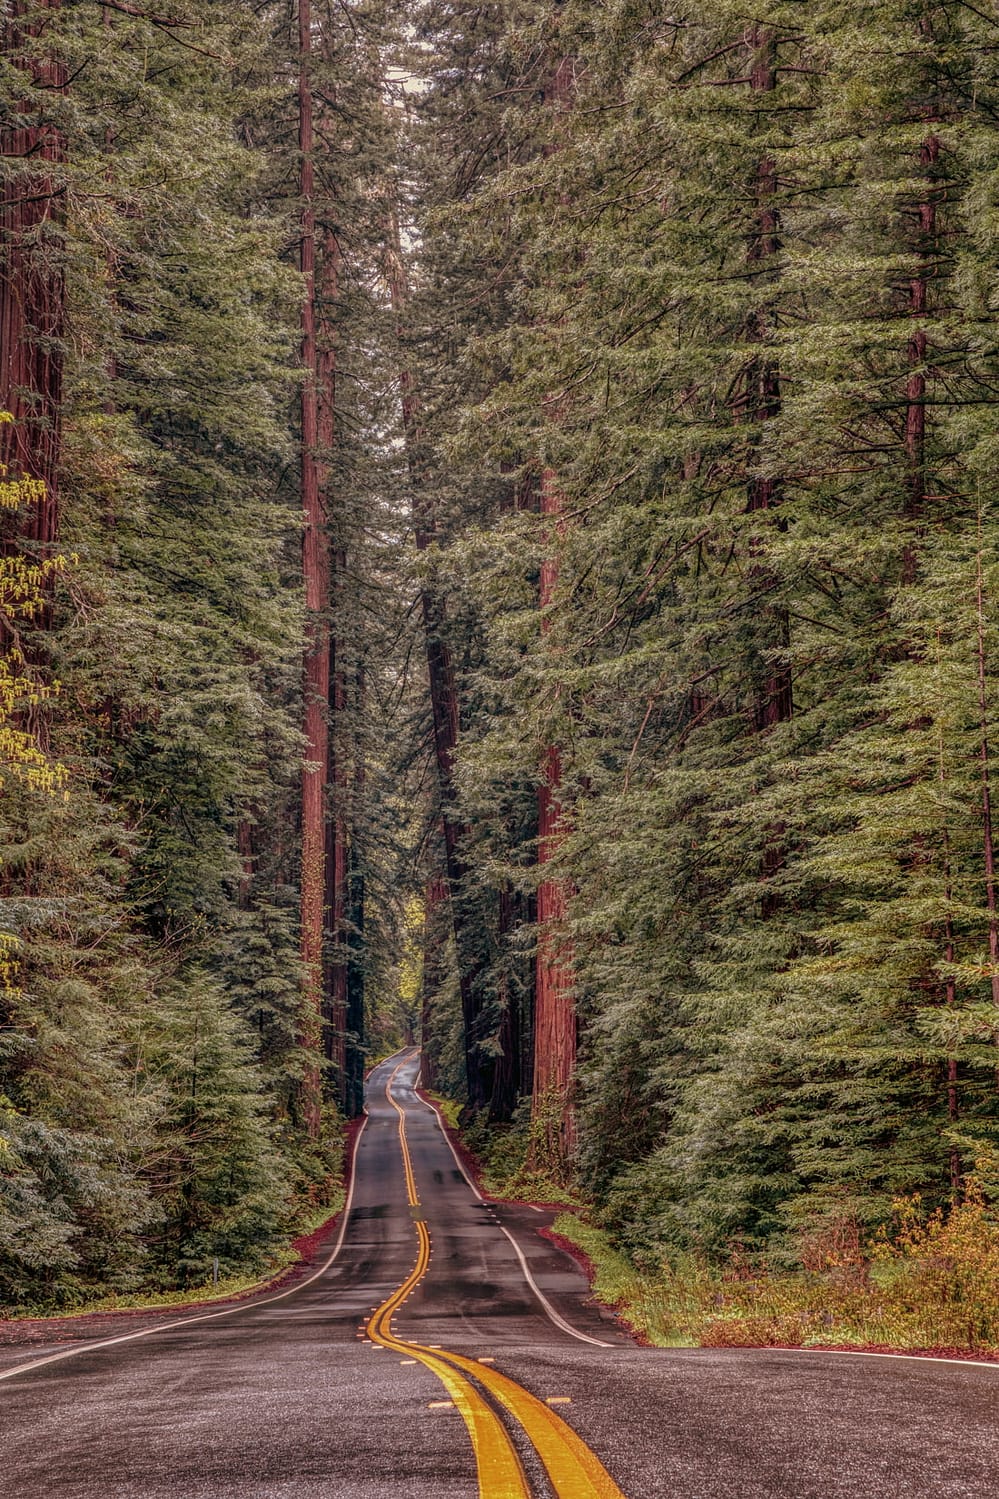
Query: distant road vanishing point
(445, 1350)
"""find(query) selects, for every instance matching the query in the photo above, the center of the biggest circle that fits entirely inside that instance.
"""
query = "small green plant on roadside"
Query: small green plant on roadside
(450, 1108)
(517, 1160)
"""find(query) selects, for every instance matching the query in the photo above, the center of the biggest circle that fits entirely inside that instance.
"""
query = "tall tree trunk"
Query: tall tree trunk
(32, 288)
(554, 1006)
(506, 1075)
(552, 1104)
(315, 573)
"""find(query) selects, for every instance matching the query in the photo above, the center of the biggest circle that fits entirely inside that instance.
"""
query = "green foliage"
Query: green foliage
(79, 1115)
(925, 1282)
(724, 284)
(517, 1160)
(24, 581)
(738, 311)
(152, 1053)
(219, 1182)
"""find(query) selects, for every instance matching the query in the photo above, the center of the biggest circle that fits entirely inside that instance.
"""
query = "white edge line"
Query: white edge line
(551, 1313)
(911, 1358)
(549, 1310)
(148, 1332)
(546, 1304)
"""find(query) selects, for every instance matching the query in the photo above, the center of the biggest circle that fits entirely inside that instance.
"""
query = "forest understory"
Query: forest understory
(499, 547)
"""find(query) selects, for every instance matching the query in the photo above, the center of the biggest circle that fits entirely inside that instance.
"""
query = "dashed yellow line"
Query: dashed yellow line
(575, 1471)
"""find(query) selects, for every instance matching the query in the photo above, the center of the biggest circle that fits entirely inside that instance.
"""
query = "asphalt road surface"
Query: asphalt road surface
(440, 1357)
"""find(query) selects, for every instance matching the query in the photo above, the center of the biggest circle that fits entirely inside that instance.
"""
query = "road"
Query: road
(449, 1352)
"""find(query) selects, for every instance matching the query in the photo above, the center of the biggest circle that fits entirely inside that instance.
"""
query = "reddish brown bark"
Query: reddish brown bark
(32, 293)
(554, 1006)
(555, 1030)
(315, 574)
(336, 873)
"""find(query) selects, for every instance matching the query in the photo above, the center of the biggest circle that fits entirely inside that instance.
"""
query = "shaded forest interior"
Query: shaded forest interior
(499, 548)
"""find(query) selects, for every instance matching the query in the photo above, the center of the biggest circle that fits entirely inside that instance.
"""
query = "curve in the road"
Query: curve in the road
(546, 1306)
(574, 1469)
(278, 1397)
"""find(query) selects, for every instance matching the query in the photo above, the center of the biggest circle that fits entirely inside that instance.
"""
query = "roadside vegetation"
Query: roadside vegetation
(928, 1279)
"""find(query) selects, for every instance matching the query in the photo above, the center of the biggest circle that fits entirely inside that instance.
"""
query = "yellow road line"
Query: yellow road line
(575, 1471)
(500, 1474)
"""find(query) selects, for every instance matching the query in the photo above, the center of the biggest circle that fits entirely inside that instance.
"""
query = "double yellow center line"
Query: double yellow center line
(575, 1471)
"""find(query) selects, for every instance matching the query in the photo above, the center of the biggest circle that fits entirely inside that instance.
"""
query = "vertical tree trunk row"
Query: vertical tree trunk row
(315, 574)
(555, 1031)
(445, 717)
(554, 1006)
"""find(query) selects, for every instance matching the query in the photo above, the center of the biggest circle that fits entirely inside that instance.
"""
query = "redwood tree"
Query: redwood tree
(317, 432)
(555, 1025)
(32, 283)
